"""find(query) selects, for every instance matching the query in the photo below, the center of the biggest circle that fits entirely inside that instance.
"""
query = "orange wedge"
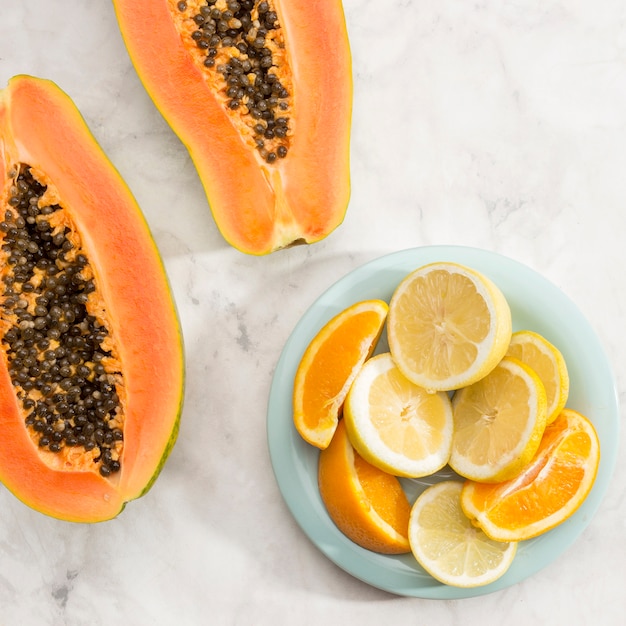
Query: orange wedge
(330, 364)
(548, 491)
(367, 504)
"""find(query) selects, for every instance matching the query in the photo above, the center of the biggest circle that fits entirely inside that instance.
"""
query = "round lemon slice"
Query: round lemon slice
(498, 423)
(548, 363)
(448, 326)
(447, 545)
(395, 424)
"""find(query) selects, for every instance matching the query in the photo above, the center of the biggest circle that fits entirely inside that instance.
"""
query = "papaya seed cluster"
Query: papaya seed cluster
(55, 349)
(248, 32)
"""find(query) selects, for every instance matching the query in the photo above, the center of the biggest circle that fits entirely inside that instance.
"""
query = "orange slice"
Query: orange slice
(367, 504)
(329, 365)
(548, 491)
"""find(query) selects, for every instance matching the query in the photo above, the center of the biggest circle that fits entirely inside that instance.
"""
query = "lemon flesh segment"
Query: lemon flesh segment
(448, 546)
(396, 425)
(448, 326)
(548, 363)
(498, 423)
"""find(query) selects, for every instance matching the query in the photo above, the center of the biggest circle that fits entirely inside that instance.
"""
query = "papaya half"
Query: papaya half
(91, 354)
(260, 93)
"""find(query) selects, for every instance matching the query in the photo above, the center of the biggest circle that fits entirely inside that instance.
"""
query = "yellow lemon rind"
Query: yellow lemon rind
(557, 403)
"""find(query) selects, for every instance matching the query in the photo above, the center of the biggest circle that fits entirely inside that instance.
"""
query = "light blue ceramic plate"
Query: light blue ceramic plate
(536, 304)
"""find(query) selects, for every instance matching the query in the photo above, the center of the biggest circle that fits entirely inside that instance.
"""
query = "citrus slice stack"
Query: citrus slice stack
(365, 503)
(447, 545)
(329, 365)
(549, 489)
(395, 424)
(498, 423)
(548, 363)
(448, 326)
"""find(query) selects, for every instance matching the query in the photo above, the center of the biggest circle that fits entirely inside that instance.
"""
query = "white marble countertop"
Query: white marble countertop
(488, 124)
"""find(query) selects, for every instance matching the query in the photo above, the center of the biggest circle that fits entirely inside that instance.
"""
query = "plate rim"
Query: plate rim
(335, 546)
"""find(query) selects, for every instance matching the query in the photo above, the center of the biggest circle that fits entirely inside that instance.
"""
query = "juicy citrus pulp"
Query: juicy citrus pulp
(365, 503)
(329, 365)
(547, 362)
(549, 489)
(447, 545)
(395, 424)
(448, 326)
(498, 423)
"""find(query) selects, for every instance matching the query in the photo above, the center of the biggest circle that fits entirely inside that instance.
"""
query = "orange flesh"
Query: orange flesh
(330, 364)
(325, 391)
(550, 481)
(39, 125)
(384, 490)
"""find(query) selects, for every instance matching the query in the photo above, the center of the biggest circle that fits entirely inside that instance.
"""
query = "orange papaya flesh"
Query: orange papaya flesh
(91, 355)
(260, 93)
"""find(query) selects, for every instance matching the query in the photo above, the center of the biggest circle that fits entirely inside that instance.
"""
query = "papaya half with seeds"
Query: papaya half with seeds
(260, 93)
(91, 354)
